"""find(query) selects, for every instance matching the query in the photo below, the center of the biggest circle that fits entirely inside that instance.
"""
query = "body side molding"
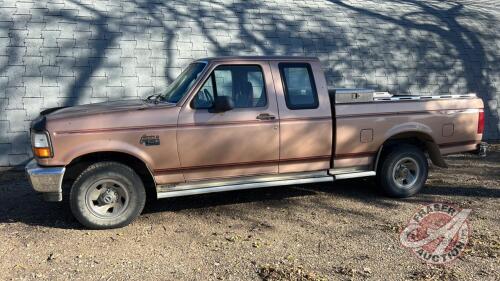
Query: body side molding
(185, 189)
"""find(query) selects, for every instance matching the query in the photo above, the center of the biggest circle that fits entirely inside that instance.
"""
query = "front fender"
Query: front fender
(107, 146)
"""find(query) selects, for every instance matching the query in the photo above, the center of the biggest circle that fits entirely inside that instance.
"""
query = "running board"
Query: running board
(354, 175)
(185, 189)
(177, 192)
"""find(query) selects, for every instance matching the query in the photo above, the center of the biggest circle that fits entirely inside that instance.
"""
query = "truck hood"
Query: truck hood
(97, 108)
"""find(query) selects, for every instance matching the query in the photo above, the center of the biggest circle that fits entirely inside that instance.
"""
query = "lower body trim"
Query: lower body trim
(184, 189)
(355, 175)
(202, 190)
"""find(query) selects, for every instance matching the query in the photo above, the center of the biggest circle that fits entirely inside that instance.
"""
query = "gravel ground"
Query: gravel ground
(341, 231)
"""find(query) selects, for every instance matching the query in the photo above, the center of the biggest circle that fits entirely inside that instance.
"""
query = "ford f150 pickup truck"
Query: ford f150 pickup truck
(235, 123)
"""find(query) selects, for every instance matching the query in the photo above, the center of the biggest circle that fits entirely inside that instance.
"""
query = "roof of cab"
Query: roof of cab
(258, 58)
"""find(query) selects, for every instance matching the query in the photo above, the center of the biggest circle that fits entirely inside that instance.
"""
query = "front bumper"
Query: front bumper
(46, 180)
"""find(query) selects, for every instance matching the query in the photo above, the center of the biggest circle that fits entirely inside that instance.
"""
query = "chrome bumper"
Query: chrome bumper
(46, 180)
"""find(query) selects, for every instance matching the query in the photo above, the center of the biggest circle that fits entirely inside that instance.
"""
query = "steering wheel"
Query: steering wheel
(207, 96)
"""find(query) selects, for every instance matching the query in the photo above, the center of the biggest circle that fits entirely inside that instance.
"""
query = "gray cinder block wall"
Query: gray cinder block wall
(59, 53)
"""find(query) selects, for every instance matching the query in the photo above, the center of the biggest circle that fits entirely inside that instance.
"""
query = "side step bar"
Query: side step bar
(185, 189)
(203, 190)
(355, 175)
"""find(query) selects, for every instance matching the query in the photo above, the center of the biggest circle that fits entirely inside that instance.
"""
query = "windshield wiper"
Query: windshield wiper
(156, 98)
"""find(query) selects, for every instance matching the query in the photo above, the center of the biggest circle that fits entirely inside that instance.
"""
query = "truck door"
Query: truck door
(243, 141)
(306, 127)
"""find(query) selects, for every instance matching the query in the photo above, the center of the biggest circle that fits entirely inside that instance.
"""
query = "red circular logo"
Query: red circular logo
(437, 233)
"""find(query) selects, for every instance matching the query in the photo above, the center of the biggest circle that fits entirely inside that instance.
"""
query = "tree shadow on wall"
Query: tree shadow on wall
(442, 20)
(447, 56)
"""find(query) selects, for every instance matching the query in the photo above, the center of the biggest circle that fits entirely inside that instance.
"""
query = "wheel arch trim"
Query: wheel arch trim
(119, 156)
(424, 137)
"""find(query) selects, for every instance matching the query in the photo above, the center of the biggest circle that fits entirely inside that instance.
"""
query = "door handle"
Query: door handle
(265, 116)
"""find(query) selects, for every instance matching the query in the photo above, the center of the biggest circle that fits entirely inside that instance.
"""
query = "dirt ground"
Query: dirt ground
(341, 231)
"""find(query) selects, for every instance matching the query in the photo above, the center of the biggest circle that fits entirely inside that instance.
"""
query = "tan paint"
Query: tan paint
(389, 119)
(197, 145)
(305, 132)
(241, 138)
(116, 131)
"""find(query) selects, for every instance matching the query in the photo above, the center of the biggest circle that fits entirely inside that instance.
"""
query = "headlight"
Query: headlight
(41, 145)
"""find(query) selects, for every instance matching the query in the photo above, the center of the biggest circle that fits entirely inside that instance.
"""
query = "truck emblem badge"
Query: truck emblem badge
(150, 140)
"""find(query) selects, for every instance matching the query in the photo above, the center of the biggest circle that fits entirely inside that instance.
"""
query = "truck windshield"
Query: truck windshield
(183, 83)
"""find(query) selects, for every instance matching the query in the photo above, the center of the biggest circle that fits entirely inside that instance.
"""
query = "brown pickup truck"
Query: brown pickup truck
(236, 123)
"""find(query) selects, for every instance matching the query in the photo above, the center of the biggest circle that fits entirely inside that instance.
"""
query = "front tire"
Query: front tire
(107, 195)
(403, 171)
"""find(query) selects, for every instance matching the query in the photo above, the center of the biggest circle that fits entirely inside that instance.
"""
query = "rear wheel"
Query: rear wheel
(107, 195)
(403, 171)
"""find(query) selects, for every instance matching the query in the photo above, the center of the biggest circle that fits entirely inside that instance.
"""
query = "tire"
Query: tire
(107, 195)
(403, 171)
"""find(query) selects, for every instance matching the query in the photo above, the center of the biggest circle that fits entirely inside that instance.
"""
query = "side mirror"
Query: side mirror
(222, 104)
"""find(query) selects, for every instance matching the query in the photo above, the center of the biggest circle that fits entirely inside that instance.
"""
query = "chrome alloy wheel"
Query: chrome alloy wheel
(405, 172)
(107, 198)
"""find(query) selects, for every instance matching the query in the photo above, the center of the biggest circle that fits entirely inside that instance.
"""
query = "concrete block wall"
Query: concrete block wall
(59, 52)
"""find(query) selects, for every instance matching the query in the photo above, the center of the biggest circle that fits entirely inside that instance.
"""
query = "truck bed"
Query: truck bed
(365, 119)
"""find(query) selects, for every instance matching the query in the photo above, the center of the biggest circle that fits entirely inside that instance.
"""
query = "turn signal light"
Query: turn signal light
(41, 144)
(480, 123)
(42, 152)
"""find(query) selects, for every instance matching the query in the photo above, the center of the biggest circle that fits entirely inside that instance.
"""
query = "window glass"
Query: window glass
(224, 81)
(183, 83)
(298, 81)
(205, 97)
(243, 84)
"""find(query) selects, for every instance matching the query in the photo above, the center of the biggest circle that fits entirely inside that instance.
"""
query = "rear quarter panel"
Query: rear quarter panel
(450, 123)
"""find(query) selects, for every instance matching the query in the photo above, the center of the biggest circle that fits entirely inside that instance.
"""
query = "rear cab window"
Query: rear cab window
(298, 85)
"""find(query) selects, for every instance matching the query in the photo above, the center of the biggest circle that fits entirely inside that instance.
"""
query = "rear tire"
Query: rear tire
(403, 171)
(107, 195)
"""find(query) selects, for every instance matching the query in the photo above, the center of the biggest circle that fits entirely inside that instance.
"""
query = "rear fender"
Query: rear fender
(411, 131)
(405, 128)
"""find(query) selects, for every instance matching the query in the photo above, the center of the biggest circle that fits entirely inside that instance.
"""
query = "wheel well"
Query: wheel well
(416, 139)
(79, 164)
(421, 140)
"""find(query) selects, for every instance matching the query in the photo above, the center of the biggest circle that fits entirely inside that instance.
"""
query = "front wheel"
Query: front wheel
(107, 195)
(403, 171)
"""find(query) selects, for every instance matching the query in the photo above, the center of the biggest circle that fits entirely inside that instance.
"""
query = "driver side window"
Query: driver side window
(205, 97)
(243, 84)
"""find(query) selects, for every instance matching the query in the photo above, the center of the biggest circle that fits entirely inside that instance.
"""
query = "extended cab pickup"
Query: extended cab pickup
(236, 123)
